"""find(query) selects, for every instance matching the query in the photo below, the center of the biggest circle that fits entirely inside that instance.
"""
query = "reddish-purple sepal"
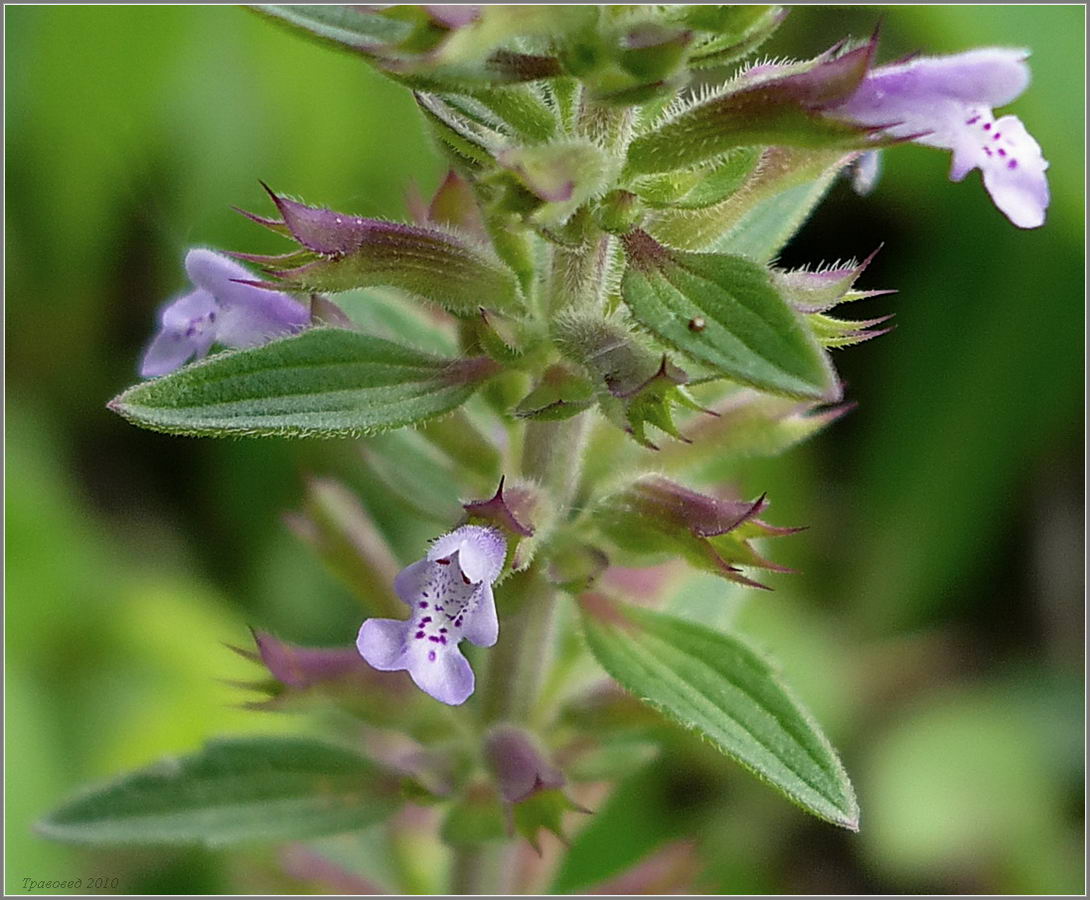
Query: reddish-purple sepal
(653, 518)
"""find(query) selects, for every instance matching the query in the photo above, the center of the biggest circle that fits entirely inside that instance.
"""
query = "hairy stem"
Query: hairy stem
(552, 452)
(467, 871)
(552, 456)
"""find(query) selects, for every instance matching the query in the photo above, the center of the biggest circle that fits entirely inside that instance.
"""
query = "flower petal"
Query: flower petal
(249, 315)
(482, 627)
(188, 329)
(211, 271)
(1015, 179)
(411, 580)
(947, 102)
(866, 171)
(441, 672)
(481, 551)
(913, 90)
(167, 352)
(382, 643)
(194, 307)
(253, 316)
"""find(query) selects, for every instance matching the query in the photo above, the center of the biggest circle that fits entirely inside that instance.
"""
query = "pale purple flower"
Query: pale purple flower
(219, 311)
(450, 595)
(947, 102)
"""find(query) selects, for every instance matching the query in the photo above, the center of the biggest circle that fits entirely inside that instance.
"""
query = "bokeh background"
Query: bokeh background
(937, 631)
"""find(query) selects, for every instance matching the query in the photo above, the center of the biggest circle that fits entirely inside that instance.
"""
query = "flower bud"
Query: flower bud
(561, 175)
(339, 252)
(653, 518)
(517, 765)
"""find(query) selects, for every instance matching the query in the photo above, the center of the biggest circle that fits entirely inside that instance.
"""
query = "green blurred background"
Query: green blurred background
(937, 630)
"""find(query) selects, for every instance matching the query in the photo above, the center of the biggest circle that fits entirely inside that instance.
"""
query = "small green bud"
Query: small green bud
(561, 175)
(560, 394)
(619, 212)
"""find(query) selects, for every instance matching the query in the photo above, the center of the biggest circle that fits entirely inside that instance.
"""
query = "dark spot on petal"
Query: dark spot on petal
(987, 126)
(988, 150)
(423, 605)
(1013, 164)
(443, 562)
(419, 635)
(973, 120)
(431, 656)
(442, 631)
(433, 639)
(466, 580)
(442, 640)
(425, 620)
(997, 136)
(1002, 152)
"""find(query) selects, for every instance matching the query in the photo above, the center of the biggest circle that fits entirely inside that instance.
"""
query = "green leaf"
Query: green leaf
(739, 30)
(396, 316)
(470, 147)
(759, 218)
(702, 187)
(422, 478)
(345, 26)
(559, 394)
(747, 424)
(239, 789)
(641, 813)
(325, 382)
(717, 686)
(724, 312)
(522, 109)
(761, 231)
(343, 535)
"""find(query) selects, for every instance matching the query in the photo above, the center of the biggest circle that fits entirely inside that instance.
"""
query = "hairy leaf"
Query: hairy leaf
(724, 312)
(714, 684)
(345, 26)
(233, 790)
(326, 382)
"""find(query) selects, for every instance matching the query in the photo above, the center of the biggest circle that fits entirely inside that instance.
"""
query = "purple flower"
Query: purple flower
(450, 595)
(220, 310)
(947, 102)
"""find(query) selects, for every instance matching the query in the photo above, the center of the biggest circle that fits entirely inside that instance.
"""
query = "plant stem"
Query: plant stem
(552, 456)
(552, 452)
(467, 870)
